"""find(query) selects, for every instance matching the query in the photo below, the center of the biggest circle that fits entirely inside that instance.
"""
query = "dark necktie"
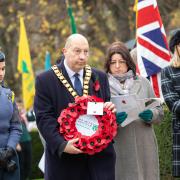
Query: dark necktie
(77, 85)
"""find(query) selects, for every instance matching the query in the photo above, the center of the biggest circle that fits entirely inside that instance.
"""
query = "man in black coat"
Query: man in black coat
(63, 161)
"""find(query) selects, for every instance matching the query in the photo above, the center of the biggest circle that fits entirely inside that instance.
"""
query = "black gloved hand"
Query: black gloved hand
(3, 160)
(11, 166)
(9, 152)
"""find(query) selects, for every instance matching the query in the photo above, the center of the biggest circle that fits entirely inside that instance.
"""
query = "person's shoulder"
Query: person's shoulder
(10, 94)
(45, 74)
(167, 68)
(139, 77)
(6, 88)
(143, 79)
(99, 75)
(169, 71)
(98, 72)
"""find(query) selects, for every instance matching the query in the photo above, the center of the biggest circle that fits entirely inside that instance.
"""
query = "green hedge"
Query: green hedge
(164, 139)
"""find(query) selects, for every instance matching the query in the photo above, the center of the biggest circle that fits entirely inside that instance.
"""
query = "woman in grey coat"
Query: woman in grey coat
(10, 130)
(135, 144)
(170, 82)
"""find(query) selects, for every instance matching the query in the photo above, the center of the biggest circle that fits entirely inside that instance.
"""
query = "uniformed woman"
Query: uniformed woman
(10, 130)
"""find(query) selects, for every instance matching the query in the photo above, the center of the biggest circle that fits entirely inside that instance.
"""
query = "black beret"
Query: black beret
(2, 56)
(175, 40)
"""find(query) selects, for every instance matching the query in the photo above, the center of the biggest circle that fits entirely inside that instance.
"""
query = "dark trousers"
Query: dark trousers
(25, 160)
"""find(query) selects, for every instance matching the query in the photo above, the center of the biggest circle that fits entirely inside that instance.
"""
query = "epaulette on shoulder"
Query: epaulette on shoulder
(13, 96)
(10, 94)
(4, 85)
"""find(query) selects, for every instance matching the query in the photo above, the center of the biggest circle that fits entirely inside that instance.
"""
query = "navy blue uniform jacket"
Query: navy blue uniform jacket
(50, 99)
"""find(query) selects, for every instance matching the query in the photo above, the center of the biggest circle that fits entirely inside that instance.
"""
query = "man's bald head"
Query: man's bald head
(76, 52)
(74, 38)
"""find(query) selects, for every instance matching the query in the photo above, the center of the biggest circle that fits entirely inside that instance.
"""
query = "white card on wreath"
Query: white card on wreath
(95, 108)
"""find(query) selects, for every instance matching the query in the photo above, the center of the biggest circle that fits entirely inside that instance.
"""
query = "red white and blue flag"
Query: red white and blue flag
(152, 49)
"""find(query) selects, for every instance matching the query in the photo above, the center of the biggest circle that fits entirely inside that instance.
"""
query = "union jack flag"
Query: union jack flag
(152, 49)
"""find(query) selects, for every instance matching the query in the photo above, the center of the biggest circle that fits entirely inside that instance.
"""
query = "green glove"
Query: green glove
(146, 115)
(120, 117)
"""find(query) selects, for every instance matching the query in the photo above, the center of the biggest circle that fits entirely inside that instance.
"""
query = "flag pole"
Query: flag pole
(47, 64)
(72, 20)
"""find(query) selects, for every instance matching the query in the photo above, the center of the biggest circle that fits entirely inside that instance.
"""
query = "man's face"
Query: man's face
(76, 54)
(2, 71)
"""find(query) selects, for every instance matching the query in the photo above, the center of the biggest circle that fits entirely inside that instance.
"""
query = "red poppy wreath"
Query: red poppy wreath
(99, 129)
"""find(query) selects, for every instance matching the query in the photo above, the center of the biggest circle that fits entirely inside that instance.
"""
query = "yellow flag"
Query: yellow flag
(25, 68)
(135, 5)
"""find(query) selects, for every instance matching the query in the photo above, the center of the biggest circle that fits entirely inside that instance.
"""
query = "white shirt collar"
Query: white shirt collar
(71, 72)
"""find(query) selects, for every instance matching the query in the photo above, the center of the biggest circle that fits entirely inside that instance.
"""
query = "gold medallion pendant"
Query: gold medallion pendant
(87, 77)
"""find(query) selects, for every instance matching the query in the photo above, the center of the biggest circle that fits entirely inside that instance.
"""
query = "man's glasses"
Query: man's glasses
(79, 51)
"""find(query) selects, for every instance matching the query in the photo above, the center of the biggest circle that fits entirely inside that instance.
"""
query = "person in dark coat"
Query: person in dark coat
(170, 82)
(10, 129)
(63, 161)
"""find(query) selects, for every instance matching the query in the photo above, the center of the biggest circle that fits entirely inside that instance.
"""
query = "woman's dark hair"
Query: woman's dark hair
(119, 48)
(175, 40)
(2, 56)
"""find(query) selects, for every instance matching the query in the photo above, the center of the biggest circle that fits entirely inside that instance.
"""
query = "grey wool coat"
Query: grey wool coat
(170, 82)
(135, 144)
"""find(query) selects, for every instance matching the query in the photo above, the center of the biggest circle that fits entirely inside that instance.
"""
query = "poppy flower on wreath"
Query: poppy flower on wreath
(95, 132)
